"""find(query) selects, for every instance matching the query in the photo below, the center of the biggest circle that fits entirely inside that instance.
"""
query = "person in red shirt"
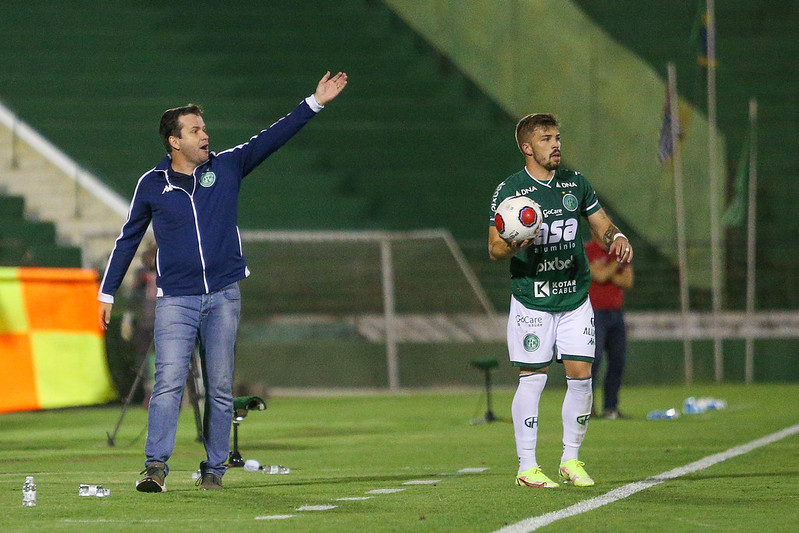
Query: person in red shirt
(609, 280)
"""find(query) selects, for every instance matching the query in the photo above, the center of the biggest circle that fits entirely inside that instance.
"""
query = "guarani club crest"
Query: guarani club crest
(531, 342)
(207, 179)
(570, 202)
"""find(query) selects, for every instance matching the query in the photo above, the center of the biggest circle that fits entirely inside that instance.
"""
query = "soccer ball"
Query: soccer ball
(518, 218)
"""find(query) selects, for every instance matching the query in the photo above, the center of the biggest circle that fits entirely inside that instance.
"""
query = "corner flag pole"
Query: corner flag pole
(679, 212)
(751, 238)
(715, 219)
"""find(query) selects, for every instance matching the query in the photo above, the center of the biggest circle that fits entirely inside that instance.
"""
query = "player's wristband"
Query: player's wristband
(619, 234)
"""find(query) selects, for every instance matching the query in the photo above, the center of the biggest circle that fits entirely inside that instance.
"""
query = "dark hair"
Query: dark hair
(170, 122)
(528, 124)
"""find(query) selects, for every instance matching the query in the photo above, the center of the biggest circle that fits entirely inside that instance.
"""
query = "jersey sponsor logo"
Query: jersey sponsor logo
(565, 185)
(207, 179)
(494, 202)
(555, 264)
(530, 321)
(570, 202)
(531, 422)
(551, 212)
(531, 188)
(167, 188)
(591, 332)
(557, 231)
(531, 342)
(540, 289)
(544, 289)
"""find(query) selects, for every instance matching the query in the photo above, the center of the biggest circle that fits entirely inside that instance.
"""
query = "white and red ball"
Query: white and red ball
(518, 218)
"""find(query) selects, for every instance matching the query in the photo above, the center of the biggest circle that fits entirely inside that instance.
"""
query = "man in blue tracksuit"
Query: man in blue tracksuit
(191, 197)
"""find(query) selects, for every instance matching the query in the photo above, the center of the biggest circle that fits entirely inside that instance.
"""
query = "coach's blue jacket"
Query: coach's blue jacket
(195, 221)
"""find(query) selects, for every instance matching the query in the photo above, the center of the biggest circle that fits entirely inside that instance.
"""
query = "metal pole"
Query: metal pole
(679, 208)
(14, 140)
(76, 212)
(715, 220)
(751, 239)
(389, 311)
(468, 273)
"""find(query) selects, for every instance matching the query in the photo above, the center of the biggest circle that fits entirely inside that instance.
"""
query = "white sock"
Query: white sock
(576, 412)
(524, 410)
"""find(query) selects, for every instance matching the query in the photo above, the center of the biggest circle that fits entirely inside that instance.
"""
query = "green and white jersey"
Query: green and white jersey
(552, 275)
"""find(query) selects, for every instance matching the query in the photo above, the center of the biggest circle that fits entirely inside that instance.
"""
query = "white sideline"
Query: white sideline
(533, 523)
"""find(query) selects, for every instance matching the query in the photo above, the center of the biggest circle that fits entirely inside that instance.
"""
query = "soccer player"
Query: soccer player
(550, 314)
(191, 197)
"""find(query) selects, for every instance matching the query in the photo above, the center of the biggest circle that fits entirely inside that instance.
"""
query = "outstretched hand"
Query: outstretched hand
(329, 87)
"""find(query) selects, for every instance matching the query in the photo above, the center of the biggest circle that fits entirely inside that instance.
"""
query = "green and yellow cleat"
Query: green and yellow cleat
(534, 477)
(574, 473)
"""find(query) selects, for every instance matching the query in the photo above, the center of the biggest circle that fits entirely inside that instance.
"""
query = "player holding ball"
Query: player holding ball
(550, 314)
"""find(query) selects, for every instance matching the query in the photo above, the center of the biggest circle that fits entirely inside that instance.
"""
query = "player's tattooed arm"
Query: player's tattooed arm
(607, 237)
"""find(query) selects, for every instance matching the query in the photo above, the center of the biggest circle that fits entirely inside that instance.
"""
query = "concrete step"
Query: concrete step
(50, 195)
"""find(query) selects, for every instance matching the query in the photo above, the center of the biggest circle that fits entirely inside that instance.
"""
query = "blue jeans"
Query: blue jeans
(611, 337)
(180, 323)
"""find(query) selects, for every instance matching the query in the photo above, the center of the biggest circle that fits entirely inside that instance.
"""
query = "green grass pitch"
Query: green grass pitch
(342, 448)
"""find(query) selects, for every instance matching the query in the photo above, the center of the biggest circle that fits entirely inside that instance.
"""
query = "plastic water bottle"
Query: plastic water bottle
(692, 406)
(712, 404)
(93, 490)
(29, 492)
(275, 469)
(660, 414)
(251, 465)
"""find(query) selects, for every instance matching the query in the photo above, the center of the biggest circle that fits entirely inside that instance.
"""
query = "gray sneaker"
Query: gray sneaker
(154, 478)
(210, 481)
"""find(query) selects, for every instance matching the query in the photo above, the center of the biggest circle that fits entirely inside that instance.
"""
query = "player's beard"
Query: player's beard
(548, 164)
